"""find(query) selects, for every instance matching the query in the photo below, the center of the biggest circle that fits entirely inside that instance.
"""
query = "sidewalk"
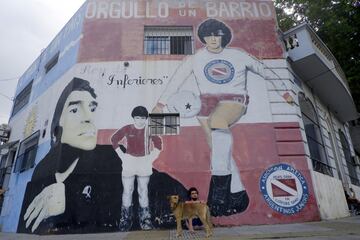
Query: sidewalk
(345, 228)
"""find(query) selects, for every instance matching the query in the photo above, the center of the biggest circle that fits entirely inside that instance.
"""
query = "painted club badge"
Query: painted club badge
(284, 189)
(219, 71)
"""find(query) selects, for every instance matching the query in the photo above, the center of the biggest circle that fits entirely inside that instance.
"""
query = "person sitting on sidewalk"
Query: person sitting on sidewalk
(194, 223)
(353, 202)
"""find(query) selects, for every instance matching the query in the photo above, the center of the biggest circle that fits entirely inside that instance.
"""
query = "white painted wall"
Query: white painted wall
(280, 81)
(329, 190)
(330, 196)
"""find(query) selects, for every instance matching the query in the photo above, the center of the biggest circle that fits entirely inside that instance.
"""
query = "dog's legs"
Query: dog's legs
(208, 220)
(178, 227)
(205, 223)
(189, 225)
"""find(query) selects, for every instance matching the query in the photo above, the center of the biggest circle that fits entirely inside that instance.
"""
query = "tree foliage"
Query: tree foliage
(337, 22)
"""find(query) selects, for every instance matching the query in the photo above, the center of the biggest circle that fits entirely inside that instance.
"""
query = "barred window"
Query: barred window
(350, 161)
(164, 124)
(27, 153)
(314, 136)
(22, 99)
(168, 40)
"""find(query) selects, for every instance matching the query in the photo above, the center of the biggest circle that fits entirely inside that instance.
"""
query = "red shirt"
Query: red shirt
(135, 140)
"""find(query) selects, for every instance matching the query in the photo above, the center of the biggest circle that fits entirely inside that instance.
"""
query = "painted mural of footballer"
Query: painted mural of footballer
(73, 189)
(221, 76)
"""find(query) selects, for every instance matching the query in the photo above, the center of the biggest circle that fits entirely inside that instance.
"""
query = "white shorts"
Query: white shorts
(139, 166)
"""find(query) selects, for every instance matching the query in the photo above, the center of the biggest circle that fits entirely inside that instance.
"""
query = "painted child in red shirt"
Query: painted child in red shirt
(141, 151)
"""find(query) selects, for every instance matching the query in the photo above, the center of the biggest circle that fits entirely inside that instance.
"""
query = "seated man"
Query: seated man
(2, 194)
(353, 202)
(193, 198)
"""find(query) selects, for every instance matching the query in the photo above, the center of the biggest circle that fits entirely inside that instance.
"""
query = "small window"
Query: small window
(52, 62)
(168, 40)
(22, 99)
(164, 124)
(27, 153)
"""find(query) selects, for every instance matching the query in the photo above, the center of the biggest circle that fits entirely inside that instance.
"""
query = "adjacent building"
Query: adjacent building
(134, 101)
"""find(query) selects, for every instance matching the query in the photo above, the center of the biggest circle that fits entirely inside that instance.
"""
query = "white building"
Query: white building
(254, 119)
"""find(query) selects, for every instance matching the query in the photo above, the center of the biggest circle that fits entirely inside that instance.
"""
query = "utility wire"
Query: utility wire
(8, 79)
(5, 96)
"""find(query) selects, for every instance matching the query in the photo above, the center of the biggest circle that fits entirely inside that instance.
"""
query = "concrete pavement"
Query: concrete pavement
(342, 229)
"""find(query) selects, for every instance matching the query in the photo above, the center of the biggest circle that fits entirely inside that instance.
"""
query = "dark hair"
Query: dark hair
(214, 27)
(140, 111)
(191, 190)
(76, 84)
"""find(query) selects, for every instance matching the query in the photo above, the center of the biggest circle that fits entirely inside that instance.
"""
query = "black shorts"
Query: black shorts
(196, 222)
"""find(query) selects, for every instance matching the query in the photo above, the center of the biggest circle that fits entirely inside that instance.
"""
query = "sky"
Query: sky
(27, 27)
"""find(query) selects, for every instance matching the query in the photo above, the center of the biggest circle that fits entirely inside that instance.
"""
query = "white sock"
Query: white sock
(236, 184)
(143, 191)
(221, 152)
(128, 183)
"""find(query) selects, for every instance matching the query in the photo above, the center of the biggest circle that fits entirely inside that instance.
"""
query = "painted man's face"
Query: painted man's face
(78, 129)
(213, 43)
(139, 122)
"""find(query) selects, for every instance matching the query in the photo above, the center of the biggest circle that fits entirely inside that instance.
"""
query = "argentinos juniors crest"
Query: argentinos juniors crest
(284, 189)
(219, 71)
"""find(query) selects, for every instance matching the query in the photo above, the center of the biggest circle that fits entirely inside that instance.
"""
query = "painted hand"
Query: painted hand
(158, 108)
(120, 153)
(288, 98)
(50, 201)
(154, 154)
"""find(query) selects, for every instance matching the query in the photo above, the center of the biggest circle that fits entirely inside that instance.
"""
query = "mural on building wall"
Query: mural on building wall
(73, 136)
(105, 172)
(137, 158)
(221, 76)
(30, 122)
(65, 188)
(284, 189)
(77, 187)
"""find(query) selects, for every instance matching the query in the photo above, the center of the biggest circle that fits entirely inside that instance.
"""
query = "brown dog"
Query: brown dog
(183, 210)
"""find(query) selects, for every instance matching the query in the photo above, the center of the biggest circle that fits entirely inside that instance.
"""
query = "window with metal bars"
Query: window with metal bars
(164, 124)
(314, 136)
(27, 153)
(164, 40)
(350, 161)
(22, 98)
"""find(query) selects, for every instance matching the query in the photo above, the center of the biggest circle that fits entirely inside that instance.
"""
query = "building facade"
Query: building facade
(134, 101)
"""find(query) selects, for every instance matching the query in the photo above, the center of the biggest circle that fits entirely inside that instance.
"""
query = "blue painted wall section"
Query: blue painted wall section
(66, 43)
(17, 186)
